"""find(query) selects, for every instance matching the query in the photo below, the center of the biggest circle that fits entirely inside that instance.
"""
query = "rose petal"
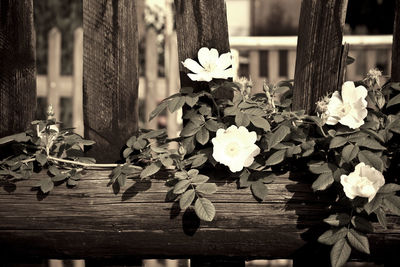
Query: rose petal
(192, 65)
(224, 61)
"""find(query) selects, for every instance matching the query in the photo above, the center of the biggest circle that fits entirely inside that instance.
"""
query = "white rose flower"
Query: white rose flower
(365, 181)
(212, 65)
(235, 147)
(350, 109)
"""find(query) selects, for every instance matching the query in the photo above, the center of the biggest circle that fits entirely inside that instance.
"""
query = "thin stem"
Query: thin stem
(88, 165)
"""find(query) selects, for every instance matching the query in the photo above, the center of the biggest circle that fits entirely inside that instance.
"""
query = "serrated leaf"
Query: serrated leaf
(130, 141)
(121, 180)
(362, 224)
(323, 181)
(374, 204)
(181, 175)
(187, 198)
(191, 100)
(242, 119)
(158, 110)
(54, 170)
(381, 215)
(202, 136)
(193, 172)
(392, 203)
(139, 144)
(389, 188)
(200, 179)
(393, 101)
(176, 103)
(190, 129)
(255, 112)
(358, 241)
(212, 125)
(370, 143)
(350, 152)
(260, 122)
(19, 137)
(41, 158)
(72, 182)
(127, 152)
(276, 158)
(337, 219)
(340, 253)
(181, 186)
(46, 185)
(151, 169)
(337, 141)
(277, 136)
(331, 236)
(208, 188)
(204, 209)
(371, 159)
(199, 160)
(244, 179)
(167, 161)
(59, 177)
(259, 190)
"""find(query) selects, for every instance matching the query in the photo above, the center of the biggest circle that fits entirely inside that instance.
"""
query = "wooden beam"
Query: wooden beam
(110, 83)
(319, 50)
(90, 221)
(17, 66)
(396, 45)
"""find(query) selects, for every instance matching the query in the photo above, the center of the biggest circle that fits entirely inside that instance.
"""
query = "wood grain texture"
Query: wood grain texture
(396, 45)
(90, 221)
(17, 66)
(200, 23)
(110, 82)
(319, 48)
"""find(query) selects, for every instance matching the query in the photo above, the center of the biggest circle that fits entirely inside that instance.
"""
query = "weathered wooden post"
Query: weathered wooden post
(17, 66)
(151, 74)
(110, 69)
(319, 66)
(201, 23)
(396, 45)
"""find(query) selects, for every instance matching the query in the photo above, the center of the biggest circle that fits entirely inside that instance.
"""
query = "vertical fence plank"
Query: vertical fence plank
(235, 63)
(151, 74)
(54, 70)
(77, 101)
(201, 23)
(273, 66)
(254, 70)
(110, 83)
(370, 56)
(396, 45)
(319, 49)
(291, 59)
(17, 66)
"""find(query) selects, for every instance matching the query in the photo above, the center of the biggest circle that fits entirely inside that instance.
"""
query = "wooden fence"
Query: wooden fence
(269, 59)
(91, 222)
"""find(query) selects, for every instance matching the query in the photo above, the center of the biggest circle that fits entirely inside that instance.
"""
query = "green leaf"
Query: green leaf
(187, 198)
(208, 188)
(244, 179)
(389, 188)
(320, 168)
(191, 100)
(358, 241)
(370, 143)
(199, 160)
(259, 190)
(392, 203)
(19, 137)
(60, 177)
(202, 136)
(176, 103)
(212, 125)
(338, 219)
(362, 224)
(337, 141)
(374, 204)
(276, 158)
(260, 122)
(199, 179)
(139, 144)
(167, 161)
(381, 215)
(121, 180)
(46, 185)
(278, 136)
(350, 152)
(181, 175)
(190, 129)
(181, 186)
(193, 173)
(255, 112)
(340, 253)
(54, 170)
(41, 158)
(151, 169)
(331, 236)
(323, 181)
(371, 159)
(242, 119)
(72, 182)
(393, 101)
(130, 141)
(127, 152)
(158, 110)
(204, 209)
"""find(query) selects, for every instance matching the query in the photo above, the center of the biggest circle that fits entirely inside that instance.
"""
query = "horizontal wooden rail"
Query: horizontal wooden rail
(290, 42)
(90, 221)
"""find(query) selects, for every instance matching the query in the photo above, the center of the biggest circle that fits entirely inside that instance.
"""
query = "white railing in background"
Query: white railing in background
(249, 59)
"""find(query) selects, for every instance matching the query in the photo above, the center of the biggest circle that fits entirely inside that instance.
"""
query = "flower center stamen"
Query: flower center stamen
(232, 149)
